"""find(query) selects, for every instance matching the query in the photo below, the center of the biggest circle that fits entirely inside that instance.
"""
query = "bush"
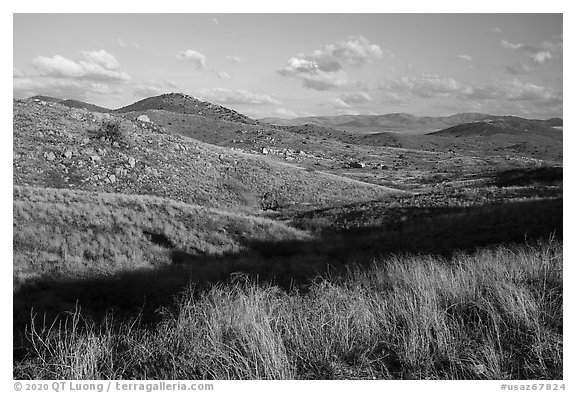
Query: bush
(111, 130)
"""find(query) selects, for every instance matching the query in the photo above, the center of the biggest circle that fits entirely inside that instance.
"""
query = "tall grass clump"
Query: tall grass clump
(493, 314)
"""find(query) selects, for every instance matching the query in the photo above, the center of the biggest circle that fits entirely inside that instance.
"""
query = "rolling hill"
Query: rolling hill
(84, 105)
(188, 105)
(509, 125)
(60, 147)
(397, 122)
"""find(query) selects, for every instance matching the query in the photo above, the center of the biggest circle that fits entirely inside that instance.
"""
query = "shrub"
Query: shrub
(111, 130)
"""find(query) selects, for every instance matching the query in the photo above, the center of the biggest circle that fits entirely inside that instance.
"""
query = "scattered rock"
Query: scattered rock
(143, 118)
(49, 156)
(95, 158)
(85, 141)
(265, 151)
(356, 164)
(67, 154)
(132, 162)
(112, 178)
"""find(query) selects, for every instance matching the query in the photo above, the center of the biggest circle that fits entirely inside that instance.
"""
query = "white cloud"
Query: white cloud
(509, 45)
(323, 69)
(540, 55)
(353, 51)
(347, 100)
(496, 30)
(339, 103)
(360, 97)
(427, 86)
(234, 59)
(126, 44)
(171, 83)
(194, 57)
(223, 75)
(97, 65)
(61, 88)
(515, 90)
(214, 20)
(465, 58)
(290, 114)
(154, 87)
(17, 73)
(229, 96)
(102, 58)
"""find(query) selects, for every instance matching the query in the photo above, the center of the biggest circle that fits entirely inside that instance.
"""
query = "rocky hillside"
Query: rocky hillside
(60, 147)
(185, 104)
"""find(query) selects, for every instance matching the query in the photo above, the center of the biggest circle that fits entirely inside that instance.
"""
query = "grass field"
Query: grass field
(492, 314)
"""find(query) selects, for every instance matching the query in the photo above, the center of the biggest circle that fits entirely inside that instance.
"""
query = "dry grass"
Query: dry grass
(494, 314)
(59, 233)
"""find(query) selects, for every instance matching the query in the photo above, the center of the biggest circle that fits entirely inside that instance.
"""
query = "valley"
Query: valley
(155, 212)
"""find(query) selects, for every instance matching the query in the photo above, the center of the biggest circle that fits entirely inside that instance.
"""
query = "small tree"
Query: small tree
(111, 130)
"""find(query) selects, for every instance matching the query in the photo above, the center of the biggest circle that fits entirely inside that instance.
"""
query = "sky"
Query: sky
(295, 65)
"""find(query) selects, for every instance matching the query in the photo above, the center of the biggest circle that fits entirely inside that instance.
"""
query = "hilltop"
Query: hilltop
(188, 105)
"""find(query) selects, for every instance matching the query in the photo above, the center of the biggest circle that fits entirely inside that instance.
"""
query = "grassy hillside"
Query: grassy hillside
(495, 314)
(62, 233)
(59, 147)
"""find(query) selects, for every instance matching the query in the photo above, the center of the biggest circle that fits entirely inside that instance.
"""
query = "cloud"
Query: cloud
(228, 96)
(170, 83)
(17, 73)
(356, 97)
(61, 88)
(515, 90)
(154, 87)
(97, 65)
(540, 55)
(143, 90)
(508, 45)
(214, 20)
(427, 86)
(194, 57)
(350, 99)
(339, 103)
(102, 58)
(290, 114)
(325, 80)
(353, 51)
(465, 58)
(496, 30)
(518, 69)
(124, 44)
(234, 59)
(223, 75)
(324, 68)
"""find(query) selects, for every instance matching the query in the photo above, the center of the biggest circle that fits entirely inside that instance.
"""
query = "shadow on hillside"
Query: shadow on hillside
(288, 264)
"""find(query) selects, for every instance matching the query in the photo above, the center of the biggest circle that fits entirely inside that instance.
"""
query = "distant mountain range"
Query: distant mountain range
(507, 125)
(458, 124)
(396, 121)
